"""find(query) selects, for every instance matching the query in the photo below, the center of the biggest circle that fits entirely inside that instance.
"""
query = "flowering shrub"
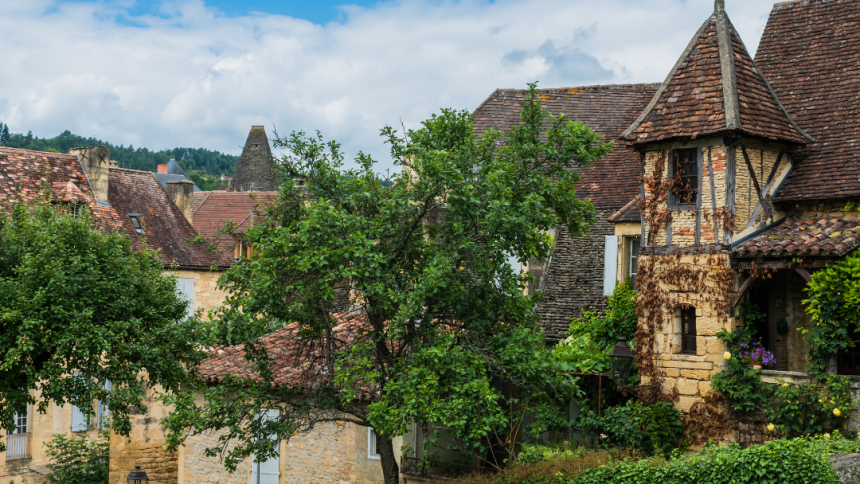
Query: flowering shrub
(755, 353)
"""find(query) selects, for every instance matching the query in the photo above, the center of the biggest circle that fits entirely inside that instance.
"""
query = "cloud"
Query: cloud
(188, 75)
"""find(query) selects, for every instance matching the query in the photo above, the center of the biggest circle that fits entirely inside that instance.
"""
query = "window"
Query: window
(103, 410)
(80, 422)
(268, 471)
(684, 171)
(185, 288)
(635, 246)
(21, 424)
(372, 448)
(135, 220)
(688, 330)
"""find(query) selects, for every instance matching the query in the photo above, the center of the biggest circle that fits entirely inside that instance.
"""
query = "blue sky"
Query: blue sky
(199, 73)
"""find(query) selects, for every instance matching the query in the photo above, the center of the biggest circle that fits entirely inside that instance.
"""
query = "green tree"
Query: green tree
(79, 460)
(78, 300)
(427, 259)
(4, 133)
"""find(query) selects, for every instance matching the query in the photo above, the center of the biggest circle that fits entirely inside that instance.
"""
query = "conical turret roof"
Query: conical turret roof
(715, 88)
(256, 170)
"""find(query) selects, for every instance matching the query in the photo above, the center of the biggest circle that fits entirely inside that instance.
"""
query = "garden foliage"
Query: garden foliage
(79, 459)
(655, 429)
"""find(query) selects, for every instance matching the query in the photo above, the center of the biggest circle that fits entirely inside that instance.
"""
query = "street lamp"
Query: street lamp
(137, 476)
(622, 360)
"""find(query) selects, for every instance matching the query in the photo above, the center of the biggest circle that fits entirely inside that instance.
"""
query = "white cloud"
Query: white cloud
(193, 77)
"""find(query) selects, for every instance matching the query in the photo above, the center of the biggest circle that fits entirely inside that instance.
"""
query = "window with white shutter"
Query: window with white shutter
(103, 410)
(372, 448)
(610, 264)
(79, 418)
(269, 471)
(186, 293)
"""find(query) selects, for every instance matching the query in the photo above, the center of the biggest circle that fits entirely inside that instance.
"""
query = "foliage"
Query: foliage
(553, 464)
(75, 298)
(79, 459)
(779, 461)
(834, 303)
(620, 320)
(450, 338)
(653, 429)
(581, 354)
(818, 406)
(208, 164)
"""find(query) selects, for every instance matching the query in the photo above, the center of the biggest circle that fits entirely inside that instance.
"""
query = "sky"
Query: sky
(198, 73)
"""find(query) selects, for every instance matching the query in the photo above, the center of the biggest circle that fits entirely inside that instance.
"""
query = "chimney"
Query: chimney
(162, 168)
(181, 193)
(95, 161)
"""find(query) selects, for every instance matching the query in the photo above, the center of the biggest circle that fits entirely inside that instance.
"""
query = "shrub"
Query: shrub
(620, 320)
(653, 429)
(779, 461)
(79, 460)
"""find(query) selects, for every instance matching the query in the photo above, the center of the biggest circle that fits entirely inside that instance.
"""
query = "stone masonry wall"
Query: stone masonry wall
(197, 468)
(206, 293)
(575, 279)
(690, 373)
(144, 447)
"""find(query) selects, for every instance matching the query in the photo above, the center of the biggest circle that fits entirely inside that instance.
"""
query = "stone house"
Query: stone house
(134, 203)
(749, 183)
(584, 270)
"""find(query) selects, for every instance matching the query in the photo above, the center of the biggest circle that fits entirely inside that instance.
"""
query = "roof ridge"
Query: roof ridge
(24, 150)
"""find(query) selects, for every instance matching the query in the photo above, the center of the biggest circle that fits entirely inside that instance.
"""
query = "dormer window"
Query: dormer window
(135, 220)
(684, 176)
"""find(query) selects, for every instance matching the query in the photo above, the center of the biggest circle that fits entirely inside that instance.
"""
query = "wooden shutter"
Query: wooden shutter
(267, 472)
(186, 293)
(610, 264)
(103, 410)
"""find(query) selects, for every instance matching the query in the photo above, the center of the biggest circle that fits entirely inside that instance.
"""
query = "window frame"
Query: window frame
(688, 337)
(137, 223)
(372, 445)
(676, 200)
(631, 256)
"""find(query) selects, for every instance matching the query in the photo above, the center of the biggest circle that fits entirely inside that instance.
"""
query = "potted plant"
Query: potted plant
(755, 354)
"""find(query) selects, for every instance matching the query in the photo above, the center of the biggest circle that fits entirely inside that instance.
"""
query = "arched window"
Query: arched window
(688, 330)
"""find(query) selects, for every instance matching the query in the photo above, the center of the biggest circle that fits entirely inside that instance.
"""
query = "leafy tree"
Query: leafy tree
(79, 460)
(4, 133)
(427, 261)
(78, 300)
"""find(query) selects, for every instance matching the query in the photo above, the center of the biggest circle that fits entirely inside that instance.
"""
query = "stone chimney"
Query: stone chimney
(96, 163)
(181, 193)
(162, 168)
(256, 170)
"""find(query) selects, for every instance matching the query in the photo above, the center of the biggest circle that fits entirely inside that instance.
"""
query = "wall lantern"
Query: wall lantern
(622, 360)
(137, 476)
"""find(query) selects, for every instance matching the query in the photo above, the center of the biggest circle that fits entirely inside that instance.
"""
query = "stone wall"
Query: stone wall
(144, 447)
(196, 468)
(206, 293)
(574, 282)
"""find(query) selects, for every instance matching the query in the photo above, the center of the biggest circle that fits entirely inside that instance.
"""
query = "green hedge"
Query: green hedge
(801, 460)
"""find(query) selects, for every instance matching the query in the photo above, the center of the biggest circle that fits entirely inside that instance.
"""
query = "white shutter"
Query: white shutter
(267, 472)
(186, 293)
(103, 411)
(610, 264)
(372, 448)
(79, 419)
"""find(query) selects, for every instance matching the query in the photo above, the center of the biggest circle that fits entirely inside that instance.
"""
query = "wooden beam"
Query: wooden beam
(752, 171)
(713, 198)
(746, 285)
(730, 187)
(803, 273)
(700, 165)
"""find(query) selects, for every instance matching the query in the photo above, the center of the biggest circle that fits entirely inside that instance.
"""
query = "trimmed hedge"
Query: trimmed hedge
(801, 460)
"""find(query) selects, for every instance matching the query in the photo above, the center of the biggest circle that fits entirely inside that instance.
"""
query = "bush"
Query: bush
(620, 320)
(79, 460)
(653, 429)
(779, 461)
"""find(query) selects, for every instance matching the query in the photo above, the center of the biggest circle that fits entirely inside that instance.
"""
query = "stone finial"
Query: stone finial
(719, 5)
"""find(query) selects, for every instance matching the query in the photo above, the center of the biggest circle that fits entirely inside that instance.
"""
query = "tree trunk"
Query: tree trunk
(390, 469)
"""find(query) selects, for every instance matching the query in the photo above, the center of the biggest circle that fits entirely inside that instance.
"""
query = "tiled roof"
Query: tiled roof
(212, 210)
(810, 237)
(810, 53)
(628, 213)
(132, 191)
(294, 363)
(607, 110)
(28, 171)
(713, 89)
(68, 192)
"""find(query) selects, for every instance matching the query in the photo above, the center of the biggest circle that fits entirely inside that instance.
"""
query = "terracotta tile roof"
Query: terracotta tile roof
(294, 364)
(132, 191)
(28, 171)
(628, 213)
(810, 53)
(713, 89)
(68, 192)
(607, 110)
(214, 209)
(804, 237)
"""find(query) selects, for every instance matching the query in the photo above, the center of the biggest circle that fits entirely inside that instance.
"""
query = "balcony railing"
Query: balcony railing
(18, 446)
(437, 468)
